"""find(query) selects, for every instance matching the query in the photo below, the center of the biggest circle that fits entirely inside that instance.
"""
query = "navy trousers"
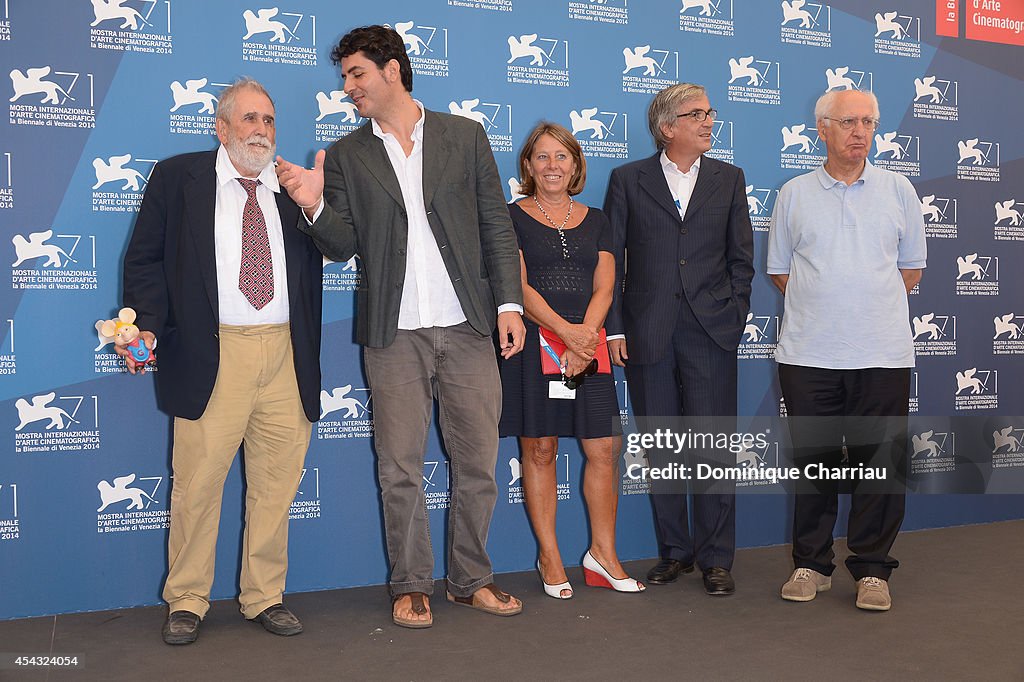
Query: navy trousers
(696, 379)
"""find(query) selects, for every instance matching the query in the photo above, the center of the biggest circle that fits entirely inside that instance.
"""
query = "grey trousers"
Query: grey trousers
(458, 367)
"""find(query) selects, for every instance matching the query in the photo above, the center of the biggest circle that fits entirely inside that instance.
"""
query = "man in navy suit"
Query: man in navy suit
(222, 279)
(684, 252)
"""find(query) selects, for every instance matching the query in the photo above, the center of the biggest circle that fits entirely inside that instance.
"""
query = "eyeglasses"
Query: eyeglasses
(576, 381)
(848, 123)
(699, 115)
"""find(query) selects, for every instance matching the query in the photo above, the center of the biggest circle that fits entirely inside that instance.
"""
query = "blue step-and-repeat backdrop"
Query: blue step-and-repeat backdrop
(97, 91)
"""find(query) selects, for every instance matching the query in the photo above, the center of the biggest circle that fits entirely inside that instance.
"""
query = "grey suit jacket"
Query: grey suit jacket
(365, 214)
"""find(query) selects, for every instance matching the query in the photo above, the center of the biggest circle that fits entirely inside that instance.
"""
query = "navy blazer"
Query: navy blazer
(706, 256)
(170, 279)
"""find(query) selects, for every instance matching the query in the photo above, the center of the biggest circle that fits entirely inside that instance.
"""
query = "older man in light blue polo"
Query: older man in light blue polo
(846, 246)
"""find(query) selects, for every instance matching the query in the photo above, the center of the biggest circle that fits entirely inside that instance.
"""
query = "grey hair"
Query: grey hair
(662, 111)
(227, 96)
(823, 107)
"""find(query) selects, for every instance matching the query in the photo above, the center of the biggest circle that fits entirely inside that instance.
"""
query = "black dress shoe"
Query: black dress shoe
(279, 620)
(667, 570)
(182, 627)
(718, 581)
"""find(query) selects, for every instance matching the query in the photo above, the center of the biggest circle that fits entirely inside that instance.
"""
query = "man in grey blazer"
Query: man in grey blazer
(684, 253)
(417, 195)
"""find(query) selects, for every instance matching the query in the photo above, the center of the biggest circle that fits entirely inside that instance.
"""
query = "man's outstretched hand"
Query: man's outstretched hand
(304, 185)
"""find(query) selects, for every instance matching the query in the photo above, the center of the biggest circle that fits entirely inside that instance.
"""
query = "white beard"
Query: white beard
(249, 154)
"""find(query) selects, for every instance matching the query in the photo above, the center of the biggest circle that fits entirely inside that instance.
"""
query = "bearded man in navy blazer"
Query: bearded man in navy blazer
(684, 255)
(230, 289)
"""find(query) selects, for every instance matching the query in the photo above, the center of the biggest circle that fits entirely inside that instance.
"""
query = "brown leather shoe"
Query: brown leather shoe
(182, 627)
(278, 620)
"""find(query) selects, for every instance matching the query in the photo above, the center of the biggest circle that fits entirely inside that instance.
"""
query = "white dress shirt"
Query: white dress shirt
(680, 183)
(428, 297)
(234, 307)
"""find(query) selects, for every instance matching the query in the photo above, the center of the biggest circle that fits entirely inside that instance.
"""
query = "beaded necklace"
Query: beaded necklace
(560, 228)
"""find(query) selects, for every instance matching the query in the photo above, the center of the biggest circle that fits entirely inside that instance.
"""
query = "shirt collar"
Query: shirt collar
(668, 165)
(417, 130)
(828, 182)
(226, 172)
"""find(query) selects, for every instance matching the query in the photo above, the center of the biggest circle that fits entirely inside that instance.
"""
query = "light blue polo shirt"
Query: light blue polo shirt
(843, 248)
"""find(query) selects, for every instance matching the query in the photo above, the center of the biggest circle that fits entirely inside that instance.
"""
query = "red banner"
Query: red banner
(996, 21)
(947, 18)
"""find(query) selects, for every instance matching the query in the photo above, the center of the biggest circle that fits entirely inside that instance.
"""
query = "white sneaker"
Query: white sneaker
(805, 584)
(873, 594)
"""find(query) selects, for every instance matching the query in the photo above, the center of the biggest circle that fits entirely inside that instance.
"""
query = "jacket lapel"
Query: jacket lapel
(200, 209)
(374, 157)
(293, 246)
(435, 153)
(708, 180)
(652, 180)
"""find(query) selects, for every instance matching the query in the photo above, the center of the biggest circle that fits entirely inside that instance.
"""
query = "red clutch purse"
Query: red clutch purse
(550, 365)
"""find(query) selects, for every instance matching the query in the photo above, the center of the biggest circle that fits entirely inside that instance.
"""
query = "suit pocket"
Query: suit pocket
(722, 292)
(635, 300)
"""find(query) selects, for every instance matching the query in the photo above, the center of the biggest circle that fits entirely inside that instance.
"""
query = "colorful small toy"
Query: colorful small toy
(126, 335)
